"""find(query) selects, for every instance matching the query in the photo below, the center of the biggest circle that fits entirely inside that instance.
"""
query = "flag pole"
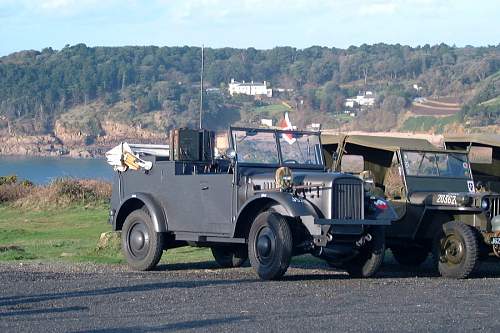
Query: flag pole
(201, 85)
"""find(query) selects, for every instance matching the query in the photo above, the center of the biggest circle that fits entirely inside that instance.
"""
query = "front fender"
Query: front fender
(293, 205)
(135, 200)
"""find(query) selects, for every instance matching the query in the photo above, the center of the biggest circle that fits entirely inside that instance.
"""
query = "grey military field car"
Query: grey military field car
(439, 208)
(266, 197)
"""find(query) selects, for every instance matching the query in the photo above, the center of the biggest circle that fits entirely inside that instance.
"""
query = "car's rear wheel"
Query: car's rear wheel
(409, 255)
(229, 256)
(371, 255)
(456, 250)
(142, 246)
(270, 245)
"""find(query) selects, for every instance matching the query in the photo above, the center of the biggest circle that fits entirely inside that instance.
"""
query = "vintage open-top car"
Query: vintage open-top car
(266, 196)
(434, 195)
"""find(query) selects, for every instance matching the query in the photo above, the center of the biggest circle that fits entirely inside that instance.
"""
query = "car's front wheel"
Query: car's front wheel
(370, 257)
(142, 246)
(229, 256)
(270, 245)
(456, 250)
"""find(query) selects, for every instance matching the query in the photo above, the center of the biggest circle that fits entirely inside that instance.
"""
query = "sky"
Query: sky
(263, 24)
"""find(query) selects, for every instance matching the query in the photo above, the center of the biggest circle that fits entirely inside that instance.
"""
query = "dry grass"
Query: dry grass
(12, 190)
(60, 193)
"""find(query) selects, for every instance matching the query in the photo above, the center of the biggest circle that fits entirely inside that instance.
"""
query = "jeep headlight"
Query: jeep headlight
(485, 204)
(284, 179)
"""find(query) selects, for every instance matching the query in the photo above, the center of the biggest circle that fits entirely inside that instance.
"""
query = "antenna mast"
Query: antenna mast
(201, 84)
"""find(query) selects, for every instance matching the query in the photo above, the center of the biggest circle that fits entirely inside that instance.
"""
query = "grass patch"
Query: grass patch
(272, 111)
(427, 123)
(69, 235)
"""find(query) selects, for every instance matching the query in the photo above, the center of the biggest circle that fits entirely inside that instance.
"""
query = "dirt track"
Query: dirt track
(61, 298)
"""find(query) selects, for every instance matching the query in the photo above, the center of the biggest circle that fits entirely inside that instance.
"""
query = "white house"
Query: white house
(366, 99)
(251, 89)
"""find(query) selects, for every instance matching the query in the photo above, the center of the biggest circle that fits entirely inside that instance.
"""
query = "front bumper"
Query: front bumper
(324, 229)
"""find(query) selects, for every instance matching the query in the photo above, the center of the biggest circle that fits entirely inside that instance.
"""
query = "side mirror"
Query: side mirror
(352, 164)
(481, 155)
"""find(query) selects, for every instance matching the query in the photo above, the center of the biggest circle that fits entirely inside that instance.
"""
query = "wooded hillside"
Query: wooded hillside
(157, 88)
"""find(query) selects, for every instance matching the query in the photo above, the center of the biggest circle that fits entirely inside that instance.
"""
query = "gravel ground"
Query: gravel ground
(44, 297)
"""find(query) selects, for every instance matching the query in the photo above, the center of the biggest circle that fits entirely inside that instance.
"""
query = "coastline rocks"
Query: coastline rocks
(39, 145)
(79, 153)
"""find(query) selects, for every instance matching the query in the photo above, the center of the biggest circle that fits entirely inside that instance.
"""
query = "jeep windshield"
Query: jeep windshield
(436, 164)
(277, 147)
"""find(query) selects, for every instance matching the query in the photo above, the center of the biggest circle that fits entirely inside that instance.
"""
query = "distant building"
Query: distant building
(266, 122)
(365, 99)
(251, 89)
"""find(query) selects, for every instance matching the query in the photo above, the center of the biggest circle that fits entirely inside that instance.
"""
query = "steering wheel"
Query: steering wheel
(291, 161)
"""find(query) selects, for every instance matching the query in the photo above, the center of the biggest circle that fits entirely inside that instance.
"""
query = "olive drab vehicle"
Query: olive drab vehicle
(265, 195)
(439, 210)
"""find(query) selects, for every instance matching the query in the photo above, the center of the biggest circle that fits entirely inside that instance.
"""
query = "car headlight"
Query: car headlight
(284, 178)
(485, 204)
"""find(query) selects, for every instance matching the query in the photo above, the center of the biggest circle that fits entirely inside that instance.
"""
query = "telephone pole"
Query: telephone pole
(201, 84)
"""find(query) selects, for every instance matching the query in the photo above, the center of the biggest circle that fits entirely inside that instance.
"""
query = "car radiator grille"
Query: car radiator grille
(348, 199)
(495, 206)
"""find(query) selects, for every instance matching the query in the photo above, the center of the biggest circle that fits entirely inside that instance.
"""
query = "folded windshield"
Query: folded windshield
(254, 146)
(431, 164)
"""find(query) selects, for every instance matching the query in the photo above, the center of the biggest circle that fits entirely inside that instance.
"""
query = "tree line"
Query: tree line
(36, 87)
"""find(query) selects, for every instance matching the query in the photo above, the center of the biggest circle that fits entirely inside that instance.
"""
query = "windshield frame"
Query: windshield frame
(405, 171)
(277, 132)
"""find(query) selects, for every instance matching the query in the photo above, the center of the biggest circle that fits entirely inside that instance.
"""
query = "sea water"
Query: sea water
(42, 170)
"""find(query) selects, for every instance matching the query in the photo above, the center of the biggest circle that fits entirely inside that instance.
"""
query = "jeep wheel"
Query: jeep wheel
(371, 256)
(229, 256)
(409, 255)
(142, 246)
(270, 245)
(456, 252)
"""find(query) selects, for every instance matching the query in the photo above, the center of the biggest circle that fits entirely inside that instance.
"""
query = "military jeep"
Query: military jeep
(434, 195)
(267, 196)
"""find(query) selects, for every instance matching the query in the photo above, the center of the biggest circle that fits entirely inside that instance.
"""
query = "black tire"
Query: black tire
(142, 246)
(270, 245)
(371, 256)
(229, 256)
(456, 250)
(409, 255)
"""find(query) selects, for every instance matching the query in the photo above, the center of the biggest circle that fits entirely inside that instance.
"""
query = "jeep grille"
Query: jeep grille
(494, 206)
(348, 199)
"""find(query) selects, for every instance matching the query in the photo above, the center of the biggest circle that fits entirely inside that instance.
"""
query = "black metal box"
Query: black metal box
(184, 144)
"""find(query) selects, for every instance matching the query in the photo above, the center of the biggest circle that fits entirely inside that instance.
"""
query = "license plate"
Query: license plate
(495, 240)
(445, 199)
